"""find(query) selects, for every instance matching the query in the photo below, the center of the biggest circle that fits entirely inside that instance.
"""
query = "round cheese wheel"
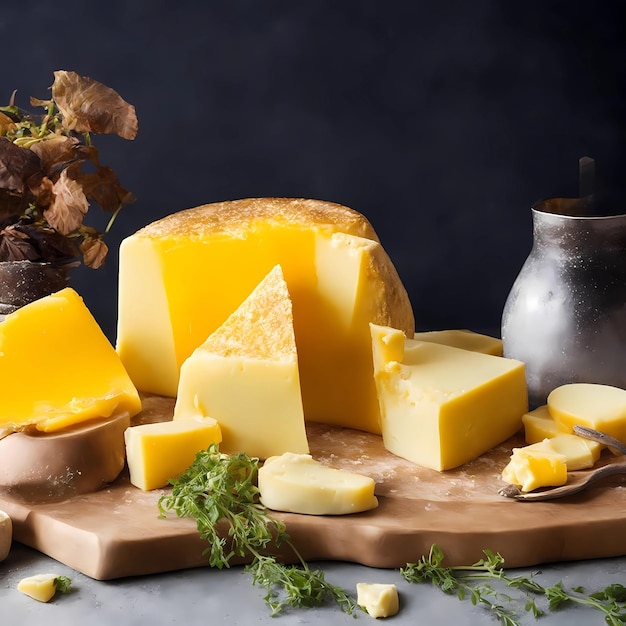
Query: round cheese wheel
(36, 466)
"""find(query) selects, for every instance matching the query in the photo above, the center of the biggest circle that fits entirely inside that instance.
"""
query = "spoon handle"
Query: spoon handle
(600, 437)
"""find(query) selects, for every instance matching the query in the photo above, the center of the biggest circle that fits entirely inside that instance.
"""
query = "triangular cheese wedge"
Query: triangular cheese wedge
(245, 376)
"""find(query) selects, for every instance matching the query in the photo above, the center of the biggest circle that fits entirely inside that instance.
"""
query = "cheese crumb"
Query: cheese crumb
(378, 599)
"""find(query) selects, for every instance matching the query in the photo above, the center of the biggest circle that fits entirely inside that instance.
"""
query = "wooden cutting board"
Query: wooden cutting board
(116, 532)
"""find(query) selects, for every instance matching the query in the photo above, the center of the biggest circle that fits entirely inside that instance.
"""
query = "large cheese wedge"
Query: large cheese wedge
(58, 368)
(466, 339)
(443, 406)
(163, 450)
(182, 276)
(249, 382)
(297, 483)
(601, 407)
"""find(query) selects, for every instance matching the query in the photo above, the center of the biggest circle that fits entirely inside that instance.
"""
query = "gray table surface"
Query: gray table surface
(207, 596)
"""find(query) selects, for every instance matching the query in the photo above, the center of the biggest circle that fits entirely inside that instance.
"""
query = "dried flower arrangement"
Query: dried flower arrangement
(50, 172)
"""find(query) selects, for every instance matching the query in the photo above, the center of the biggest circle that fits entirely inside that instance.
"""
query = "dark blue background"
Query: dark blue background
(441, 121)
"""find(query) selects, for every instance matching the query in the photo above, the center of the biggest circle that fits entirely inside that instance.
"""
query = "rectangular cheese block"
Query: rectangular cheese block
(540, 425)
(443, 406)
(297, 483)
(58, 368)
(181, 277)
(460, 338)
(158, 452)
(248, 382)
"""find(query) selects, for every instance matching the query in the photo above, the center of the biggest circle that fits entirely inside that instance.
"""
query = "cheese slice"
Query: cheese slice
(296, 483)
(540, 425)
(378, 599)
(466, 339)
(182, 276)
(163, 450)
(58, 368)
(6, 535)
(601, 407)
(443, 406)
(245, 375)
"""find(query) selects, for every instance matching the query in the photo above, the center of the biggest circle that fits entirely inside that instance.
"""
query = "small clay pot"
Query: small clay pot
(22, 282)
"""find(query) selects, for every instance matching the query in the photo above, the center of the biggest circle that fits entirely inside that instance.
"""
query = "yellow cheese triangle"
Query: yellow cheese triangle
(245, 376)
(58, 368)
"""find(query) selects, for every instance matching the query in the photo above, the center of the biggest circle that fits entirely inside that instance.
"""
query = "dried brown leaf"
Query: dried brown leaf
(102, 187)
(55, 152)
(51, 245)
(6, 124)
(68, 207)
(94, 252)
(89, 106)
(16, 246)
(20, 168)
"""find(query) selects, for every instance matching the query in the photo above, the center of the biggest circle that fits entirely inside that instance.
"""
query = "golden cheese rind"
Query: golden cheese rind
(182, 276)
(36, 466)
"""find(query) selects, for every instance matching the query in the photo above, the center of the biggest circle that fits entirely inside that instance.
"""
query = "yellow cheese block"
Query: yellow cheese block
(531, 468)
(41, 587)
(182, 276)
(249, 382)
(443, 406)
(6, 535)
(466, 339)
(378, 599)
(601, 407)
(58, 368)
(540, 425)
(163, 450)
(297, 483)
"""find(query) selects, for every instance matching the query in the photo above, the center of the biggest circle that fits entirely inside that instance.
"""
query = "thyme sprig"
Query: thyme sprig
(483, 583)
(219, 492)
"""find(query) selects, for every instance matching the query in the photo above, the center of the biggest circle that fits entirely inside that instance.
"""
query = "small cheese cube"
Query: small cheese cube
(163, 450)
(298, 484)
(533, 469)
(540, 425)
(6, 535)
(466, 339)
(41, 587)
(443, 406)
(601, 407)
(378, 599)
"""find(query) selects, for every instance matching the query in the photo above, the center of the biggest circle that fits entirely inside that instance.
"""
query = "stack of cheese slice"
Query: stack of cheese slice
(553, 449)
(182, 276)
(443, 406)
(245, 376)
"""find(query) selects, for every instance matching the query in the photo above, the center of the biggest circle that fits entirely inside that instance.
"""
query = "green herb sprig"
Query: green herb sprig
(482, 584)
(219, 492)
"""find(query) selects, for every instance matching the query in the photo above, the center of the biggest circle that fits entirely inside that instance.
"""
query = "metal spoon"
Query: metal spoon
(579, 480)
